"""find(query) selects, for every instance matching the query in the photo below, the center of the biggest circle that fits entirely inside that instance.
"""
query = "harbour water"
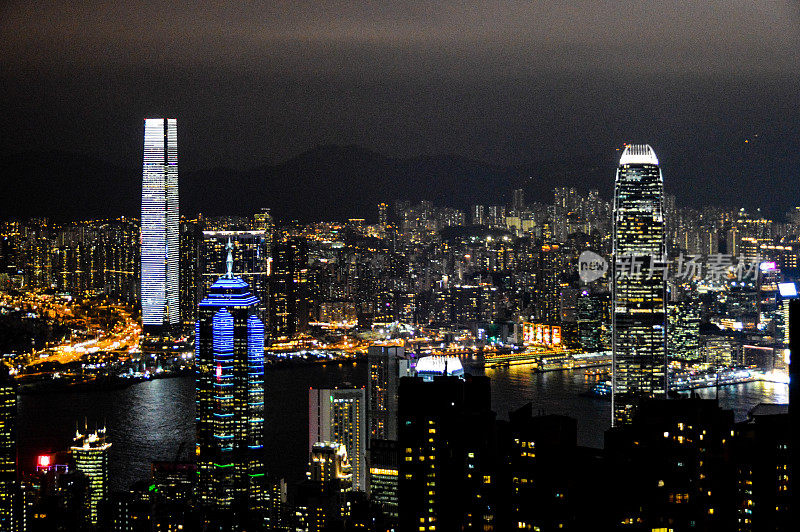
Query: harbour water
(151, 420)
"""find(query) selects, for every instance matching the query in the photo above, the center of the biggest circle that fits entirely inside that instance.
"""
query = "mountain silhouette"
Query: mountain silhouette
(325, 183)
(339, 182)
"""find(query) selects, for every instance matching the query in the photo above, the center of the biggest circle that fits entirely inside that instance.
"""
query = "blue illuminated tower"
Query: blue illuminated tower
(230, 403)
(160, 225)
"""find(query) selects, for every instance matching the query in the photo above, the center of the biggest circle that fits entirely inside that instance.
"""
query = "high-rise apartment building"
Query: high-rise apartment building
(478, 215)
(90, 452)
(160, 227)
(639, 322)
(554, 260)
(339, 416)
(518, 202)
(446, 475)
(496, 216)
(683, 333)
(591, 317)
(119, 242)
(229, 352)
(383, 214)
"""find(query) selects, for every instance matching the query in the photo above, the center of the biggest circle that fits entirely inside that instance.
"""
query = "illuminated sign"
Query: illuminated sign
(527, 333)
(43, 461)
(540, 334)
(787, 289)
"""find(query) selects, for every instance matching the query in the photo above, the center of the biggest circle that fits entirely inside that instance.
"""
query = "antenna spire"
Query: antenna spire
(229, 261)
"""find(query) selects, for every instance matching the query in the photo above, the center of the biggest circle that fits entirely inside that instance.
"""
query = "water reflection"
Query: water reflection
(150, 421)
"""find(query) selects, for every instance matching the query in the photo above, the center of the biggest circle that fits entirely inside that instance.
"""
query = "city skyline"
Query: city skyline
(424, 281)
(425, 266)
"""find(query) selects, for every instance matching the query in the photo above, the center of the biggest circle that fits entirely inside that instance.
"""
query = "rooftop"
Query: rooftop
(638, 154)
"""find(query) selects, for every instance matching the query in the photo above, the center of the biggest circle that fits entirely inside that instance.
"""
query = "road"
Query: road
(123, 337)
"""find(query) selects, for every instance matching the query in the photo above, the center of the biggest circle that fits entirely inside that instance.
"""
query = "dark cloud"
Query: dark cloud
(608, 35)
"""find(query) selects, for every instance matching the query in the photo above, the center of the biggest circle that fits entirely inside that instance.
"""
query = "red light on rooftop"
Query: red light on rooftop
(43, 460)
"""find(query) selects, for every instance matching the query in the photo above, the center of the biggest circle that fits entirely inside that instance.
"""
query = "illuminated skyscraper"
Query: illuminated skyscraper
(8, 452)
(387, 363)
(339, 416)
(230, 403)
(288, 288)
(683, 332)
(445, 480)
(518, 202)
(90, 452)
(160, 227)
(191, 237)
(639, 286)
(383, 214)
(477, 212)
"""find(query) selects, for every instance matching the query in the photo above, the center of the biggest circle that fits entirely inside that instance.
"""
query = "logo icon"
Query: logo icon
(591, 266)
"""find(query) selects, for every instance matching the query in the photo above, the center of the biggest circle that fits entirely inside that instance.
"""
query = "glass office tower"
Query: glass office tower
(230, 403)
(160, 227)
(639, 283)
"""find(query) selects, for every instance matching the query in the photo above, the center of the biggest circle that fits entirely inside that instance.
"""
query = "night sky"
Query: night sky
(506, 83)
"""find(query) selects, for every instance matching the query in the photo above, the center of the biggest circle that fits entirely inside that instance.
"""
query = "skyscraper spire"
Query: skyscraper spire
(229, 261)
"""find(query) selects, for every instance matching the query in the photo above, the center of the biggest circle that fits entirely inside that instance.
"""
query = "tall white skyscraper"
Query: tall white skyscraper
(639, 287)
(160, 226)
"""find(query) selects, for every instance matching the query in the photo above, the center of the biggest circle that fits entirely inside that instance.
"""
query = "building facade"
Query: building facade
(288, 287)
(387, 363)
(339, 416)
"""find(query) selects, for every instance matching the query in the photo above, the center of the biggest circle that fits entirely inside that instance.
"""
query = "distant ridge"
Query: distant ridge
(338, 182)
(325, 183)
